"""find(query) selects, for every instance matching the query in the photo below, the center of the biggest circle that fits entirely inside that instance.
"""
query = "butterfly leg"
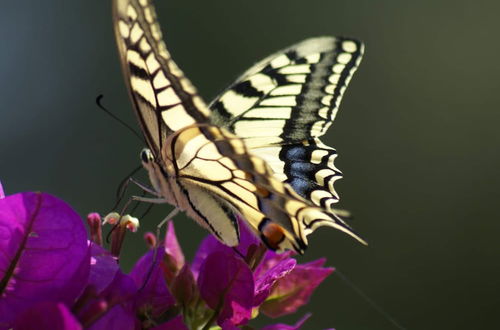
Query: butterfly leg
(144, 187)
(121, 214)
(124, 186)
(169, 216)
(150, 200)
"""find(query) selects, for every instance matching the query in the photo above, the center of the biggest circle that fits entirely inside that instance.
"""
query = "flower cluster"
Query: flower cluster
(53, 277)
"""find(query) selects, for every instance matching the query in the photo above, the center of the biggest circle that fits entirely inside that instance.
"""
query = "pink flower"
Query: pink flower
(52, 276)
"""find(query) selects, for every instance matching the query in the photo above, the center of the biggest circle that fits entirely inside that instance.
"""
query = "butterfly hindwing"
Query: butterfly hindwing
(211, 160)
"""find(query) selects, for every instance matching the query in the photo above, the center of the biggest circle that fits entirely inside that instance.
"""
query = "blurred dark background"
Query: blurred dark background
(417, 136)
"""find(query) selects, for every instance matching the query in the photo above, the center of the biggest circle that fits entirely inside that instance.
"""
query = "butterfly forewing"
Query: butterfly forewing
(290, 96)
(164, 99)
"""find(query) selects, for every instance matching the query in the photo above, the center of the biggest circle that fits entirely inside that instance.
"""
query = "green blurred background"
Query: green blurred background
(417, 136)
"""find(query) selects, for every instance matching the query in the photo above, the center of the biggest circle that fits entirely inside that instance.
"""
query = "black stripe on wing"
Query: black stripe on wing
(213, 214)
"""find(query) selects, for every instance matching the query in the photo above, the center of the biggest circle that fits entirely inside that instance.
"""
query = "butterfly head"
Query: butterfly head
(150, 165)
(147, 158)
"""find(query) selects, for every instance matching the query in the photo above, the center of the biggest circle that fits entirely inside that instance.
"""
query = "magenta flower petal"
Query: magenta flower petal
(121, 290)
(44, 257)
(172, 247)
(226, 284)
(118, 317)
(184, 287)
(103, 267)
(47, 315)
(209, 245)
(294, 290)
(281, 326)
(270, 260)
(265, 282)
(119, 306)
(174, 324)
(153, 295)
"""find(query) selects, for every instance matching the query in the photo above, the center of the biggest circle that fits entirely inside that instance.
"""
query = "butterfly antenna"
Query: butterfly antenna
(99, 104)
(365, 297)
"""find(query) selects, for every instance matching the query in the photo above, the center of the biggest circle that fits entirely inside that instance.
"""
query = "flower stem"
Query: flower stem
(212, 319)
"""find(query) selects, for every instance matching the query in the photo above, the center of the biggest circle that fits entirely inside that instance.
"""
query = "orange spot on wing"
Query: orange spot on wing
(262, 192)
(273, 235)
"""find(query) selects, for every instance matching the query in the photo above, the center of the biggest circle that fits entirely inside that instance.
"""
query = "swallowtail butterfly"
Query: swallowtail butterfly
(255, 150)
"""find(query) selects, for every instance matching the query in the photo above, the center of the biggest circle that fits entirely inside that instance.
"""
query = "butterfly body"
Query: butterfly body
(255, 150)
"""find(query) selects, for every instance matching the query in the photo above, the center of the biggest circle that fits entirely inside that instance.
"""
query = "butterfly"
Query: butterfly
(253, 152)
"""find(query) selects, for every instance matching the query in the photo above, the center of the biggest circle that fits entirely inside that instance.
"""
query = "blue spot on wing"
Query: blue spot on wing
(301, 186)
(300, 171)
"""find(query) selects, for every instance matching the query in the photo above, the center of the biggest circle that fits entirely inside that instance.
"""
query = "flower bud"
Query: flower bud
(95, 227)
